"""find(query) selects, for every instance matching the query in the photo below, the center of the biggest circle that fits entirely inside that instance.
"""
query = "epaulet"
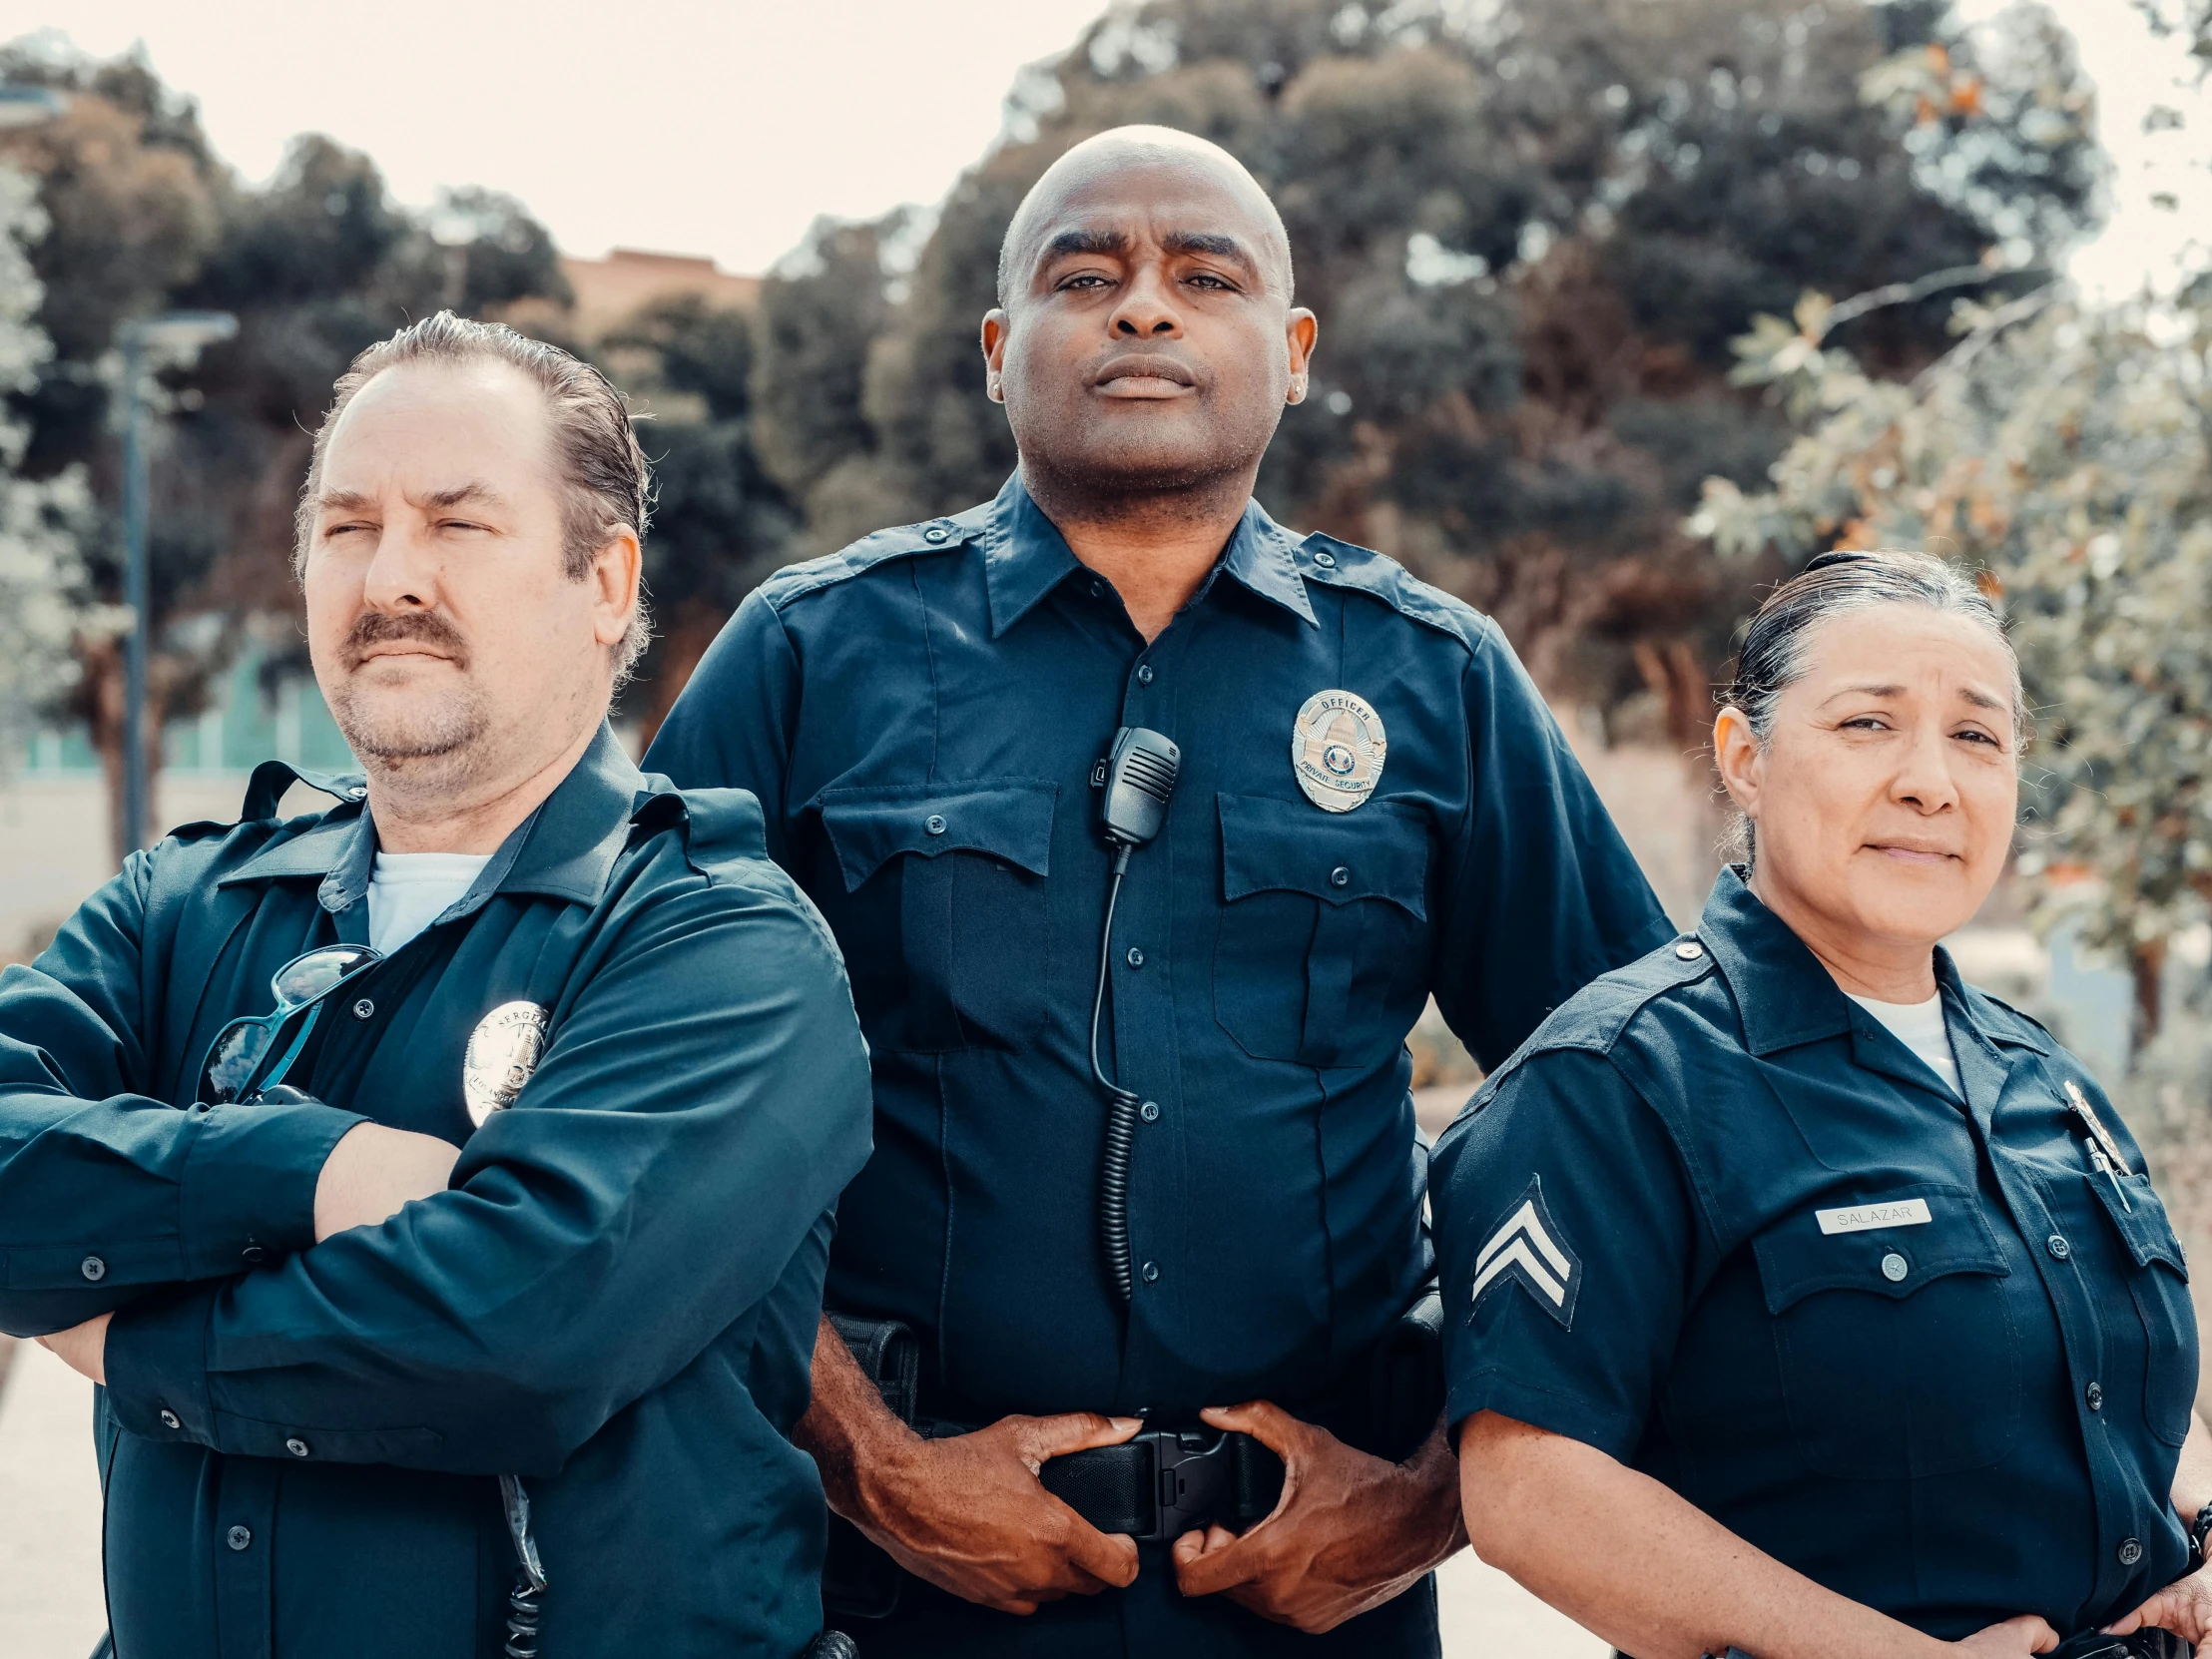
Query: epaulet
(2021, 1014)
(1344, 564)
(1593, 1019)
(903, 541)
(721, 828)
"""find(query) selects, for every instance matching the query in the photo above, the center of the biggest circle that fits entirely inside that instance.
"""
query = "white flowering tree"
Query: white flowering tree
(44, 606)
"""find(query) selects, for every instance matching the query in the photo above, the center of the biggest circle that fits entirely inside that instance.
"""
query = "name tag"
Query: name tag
(1866, 1218)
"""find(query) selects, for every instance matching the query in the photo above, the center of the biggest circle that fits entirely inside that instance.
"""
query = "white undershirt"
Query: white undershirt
(409, 890)
(1921, 1027)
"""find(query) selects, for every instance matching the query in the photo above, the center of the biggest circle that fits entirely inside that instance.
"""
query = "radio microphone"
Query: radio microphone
(1139, 781)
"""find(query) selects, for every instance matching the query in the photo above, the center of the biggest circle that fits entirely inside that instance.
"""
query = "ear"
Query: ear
(996, 328)
(1301, 329)
(616, 570)
(1740, 759)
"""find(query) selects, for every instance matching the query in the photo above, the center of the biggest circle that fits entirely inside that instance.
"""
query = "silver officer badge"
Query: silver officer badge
(502, 1052)
(1337, 749)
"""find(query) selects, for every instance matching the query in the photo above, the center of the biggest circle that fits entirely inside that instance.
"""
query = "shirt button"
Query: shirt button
(2130, 1552)
(1098, 589)
(252, 1254)
(1689, 950)
(2095, 1394)
(170, 1419)
(1144, 674)
(238, 1537)
(363, 1008)
(1327, 561)
(296, 1447)
(1149, 1111)
(1152, 1272)
(1895, 1266)
(1136, 957)
(935, 824)
(935, 532)
(2058, 1247)
(93, 1269)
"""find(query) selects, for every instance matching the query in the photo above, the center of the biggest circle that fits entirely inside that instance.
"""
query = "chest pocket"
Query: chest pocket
(939, 900)
(1898, 1357)
(1323, 953)
(2160, 1289)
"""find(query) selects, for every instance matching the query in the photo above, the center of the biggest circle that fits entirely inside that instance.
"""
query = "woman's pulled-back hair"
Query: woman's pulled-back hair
(606, 482)
(1778, 644)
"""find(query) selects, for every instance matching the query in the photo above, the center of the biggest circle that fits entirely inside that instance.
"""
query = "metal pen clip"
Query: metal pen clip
(2105, 1151)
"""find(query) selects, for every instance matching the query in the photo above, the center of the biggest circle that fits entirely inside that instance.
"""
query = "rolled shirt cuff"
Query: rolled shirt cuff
(248, 1186)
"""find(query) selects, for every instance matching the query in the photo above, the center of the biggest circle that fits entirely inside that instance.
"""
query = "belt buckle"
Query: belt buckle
(1194, 1480)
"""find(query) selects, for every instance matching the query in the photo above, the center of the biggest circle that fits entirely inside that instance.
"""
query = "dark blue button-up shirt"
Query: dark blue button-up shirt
(617, 1299)
(1719, 1223)
(921, 716)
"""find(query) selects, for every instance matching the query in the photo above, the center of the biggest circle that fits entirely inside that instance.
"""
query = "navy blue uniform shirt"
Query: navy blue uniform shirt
(616, 1299)
(920, 715)
(1720, 1224)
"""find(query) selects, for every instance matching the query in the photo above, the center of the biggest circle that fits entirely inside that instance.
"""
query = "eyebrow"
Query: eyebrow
(343, 501)
(1210, 243)
(1979, 699)
(463, 495)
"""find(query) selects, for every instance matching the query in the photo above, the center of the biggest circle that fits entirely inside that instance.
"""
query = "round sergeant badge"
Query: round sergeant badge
(502, 1052)
(1337, 749)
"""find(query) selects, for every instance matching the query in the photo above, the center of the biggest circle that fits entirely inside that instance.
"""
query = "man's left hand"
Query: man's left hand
(2183, 1607)
(1350, 1532)
(83, 1348)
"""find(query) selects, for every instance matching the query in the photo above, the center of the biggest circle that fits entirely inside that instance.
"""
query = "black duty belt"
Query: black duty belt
(1163, 1482)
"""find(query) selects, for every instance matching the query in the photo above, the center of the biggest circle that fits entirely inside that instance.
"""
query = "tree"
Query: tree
(41, 582)
(1530, 231)
(142, 218)
(720, 521)
(2066, 452)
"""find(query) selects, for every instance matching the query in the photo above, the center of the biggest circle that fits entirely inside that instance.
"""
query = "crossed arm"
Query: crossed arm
(475, 1328)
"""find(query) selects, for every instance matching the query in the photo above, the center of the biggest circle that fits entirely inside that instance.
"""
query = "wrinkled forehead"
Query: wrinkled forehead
(1911, 649)
(1149, 201)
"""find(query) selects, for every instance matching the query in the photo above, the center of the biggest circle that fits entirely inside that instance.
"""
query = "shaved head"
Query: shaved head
(1101, 158)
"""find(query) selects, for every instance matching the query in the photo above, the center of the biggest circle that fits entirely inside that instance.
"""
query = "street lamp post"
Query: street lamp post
(177, 335)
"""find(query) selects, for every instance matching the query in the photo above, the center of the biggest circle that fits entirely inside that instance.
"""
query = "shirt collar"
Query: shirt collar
(565, 850)
(1783, 993)
(1025, 557)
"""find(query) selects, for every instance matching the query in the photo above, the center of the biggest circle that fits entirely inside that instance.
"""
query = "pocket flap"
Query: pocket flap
(1795, 1257)
(2142, 1222)
(1006, 818)
(1377, 850)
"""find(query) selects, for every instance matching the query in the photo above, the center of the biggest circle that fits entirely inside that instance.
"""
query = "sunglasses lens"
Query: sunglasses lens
(236, 1050)
(312, 976)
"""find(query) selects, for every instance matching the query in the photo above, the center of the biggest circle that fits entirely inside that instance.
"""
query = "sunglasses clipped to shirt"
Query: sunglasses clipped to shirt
(254, 1052)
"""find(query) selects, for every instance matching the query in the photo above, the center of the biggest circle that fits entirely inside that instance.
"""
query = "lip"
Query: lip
(1144, 376)
(1912, 852)
(374, 654)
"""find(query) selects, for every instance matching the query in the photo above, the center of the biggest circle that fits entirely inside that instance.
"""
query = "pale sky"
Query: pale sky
(724, 129)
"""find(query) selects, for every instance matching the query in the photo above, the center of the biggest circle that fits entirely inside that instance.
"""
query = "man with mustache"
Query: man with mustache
(465, 1146)
(1368, 803)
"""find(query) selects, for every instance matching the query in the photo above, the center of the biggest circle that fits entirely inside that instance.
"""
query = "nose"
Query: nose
(1147, 310)
(1924, 782)
(402, 576)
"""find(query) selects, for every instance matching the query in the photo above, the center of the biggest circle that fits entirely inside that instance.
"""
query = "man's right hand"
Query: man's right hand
(373, 1171)
(969, 1514)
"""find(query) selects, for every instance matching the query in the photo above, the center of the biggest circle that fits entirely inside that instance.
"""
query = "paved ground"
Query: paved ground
(50, 1605)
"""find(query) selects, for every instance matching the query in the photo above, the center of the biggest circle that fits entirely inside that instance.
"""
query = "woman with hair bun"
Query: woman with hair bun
(1803, 1300)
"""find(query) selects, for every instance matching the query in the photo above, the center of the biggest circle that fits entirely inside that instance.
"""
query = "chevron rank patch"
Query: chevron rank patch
(1526, 1249)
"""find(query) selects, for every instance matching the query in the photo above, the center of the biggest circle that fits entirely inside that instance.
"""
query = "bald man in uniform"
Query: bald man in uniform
(1138, 1285)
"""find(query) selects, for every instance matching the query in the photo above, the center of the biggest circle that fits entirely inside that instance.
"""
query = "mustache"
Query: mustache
(373, 627)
